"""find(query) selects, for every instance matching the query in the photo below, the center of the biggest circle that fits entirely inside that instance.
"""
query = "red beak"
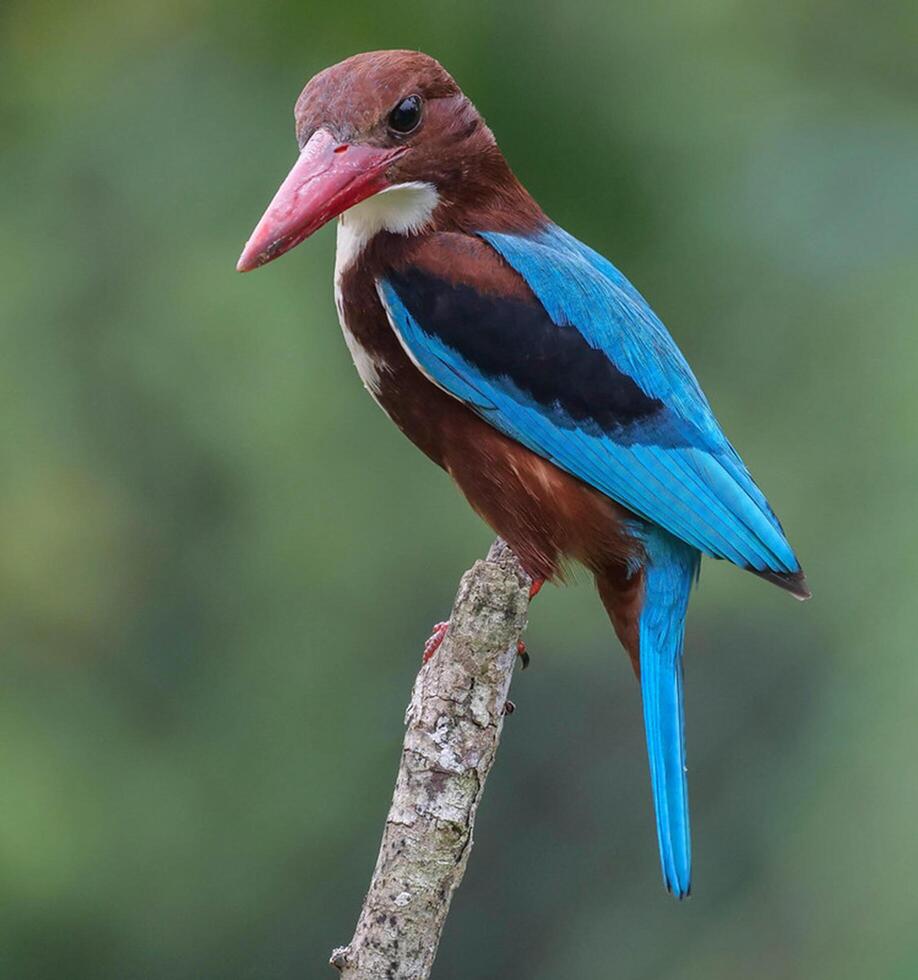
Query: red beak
(328, 178)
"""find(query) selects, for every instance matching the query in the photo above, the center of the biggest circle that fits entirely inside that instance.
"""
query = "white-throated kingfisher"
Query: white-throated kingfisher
(528, 367)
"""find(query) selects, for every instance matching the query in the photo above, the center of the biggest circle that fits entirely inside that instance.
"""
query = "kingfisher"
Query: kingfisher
(528, 367)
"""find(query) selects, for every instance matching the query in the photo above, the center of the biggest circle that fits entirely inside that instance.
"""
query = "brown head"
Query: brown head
(372, 123)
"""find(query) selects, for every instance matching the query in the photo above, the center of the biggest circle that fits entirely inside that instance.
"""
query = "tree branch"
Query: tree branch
(454, 724)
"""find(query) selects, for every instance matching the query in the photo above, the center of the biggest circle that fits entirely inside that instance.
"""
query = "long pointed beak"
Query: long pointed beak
(327, 179)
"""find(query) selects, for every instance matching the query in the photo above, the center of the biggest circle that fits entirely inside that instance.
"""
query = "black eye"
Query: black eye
(406, 115)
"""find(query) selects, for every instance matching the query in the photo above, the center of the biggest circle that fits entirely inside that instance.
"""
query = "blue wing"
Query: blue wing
(583, 373)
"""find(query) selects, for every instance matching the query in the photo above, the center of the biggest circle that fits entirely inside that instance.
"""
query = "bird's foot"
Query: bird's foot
(434, 640)
(537, 584)
(439, 635)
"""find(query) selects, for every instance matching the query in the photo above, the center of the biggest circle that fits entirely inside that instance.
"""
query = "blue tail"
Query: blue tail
(671, 568)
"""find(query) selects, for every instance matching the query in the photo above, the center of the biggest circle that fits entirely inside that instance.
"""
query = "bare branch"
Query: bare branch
(454, 723)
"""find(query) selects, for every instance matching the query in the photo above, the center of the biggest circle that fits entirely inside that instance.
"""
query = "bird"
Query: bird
(527, 366)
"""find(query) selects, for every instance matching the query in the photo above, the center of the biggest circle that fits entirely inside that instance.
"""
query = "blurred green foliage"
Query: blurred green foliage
(219, 560)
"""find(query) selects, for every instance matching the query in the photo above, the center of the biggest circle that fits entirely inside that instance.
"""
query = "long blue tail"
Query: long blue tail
(671, 569)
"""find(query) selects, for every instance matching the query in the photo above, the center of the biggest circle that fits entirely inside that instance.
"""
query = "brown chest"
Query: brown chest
(424, 412)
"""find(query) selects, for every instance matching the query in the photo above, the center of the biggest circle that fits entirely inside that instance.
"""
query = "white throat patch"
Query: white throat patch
(404, 210)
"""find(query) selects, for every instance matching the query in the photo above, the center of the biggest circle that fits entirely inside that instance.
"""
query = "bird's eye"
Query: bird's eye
(406, 115)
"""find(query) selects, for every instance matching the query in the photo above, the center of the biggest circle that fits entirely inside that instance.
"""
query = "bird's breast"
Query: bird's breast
(368, 357)
(424, 412)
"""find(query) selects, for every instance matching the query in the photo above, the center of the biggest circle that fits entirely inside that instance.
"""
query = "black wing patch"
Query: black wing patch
(505, 337)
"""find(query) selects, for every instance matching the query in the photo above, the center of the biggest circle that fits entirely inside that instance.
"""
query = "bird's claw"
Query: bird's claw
(439, 635)
(434, 640)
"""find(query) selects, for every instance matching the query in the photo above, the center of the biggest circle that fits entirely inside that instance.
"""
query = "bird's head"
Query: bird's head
(388, 123)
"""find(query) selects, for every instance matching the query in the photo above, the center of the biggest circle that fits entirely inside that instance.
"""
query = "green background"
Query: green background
(219, 560)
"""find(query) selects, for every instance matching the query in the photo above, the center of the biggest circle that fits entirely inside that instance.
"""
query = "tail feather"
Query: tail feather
(668, 576)
(793, 582)
(661, 686)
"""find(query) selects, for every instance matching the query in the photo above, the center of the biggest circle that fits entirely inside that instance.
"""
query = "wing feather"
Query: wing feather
(665, 457)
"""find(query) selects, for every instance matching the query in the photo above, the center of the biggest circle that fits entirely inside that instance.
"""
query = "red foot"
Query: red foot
(536, 586)
(436, 638)
(439, 635)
